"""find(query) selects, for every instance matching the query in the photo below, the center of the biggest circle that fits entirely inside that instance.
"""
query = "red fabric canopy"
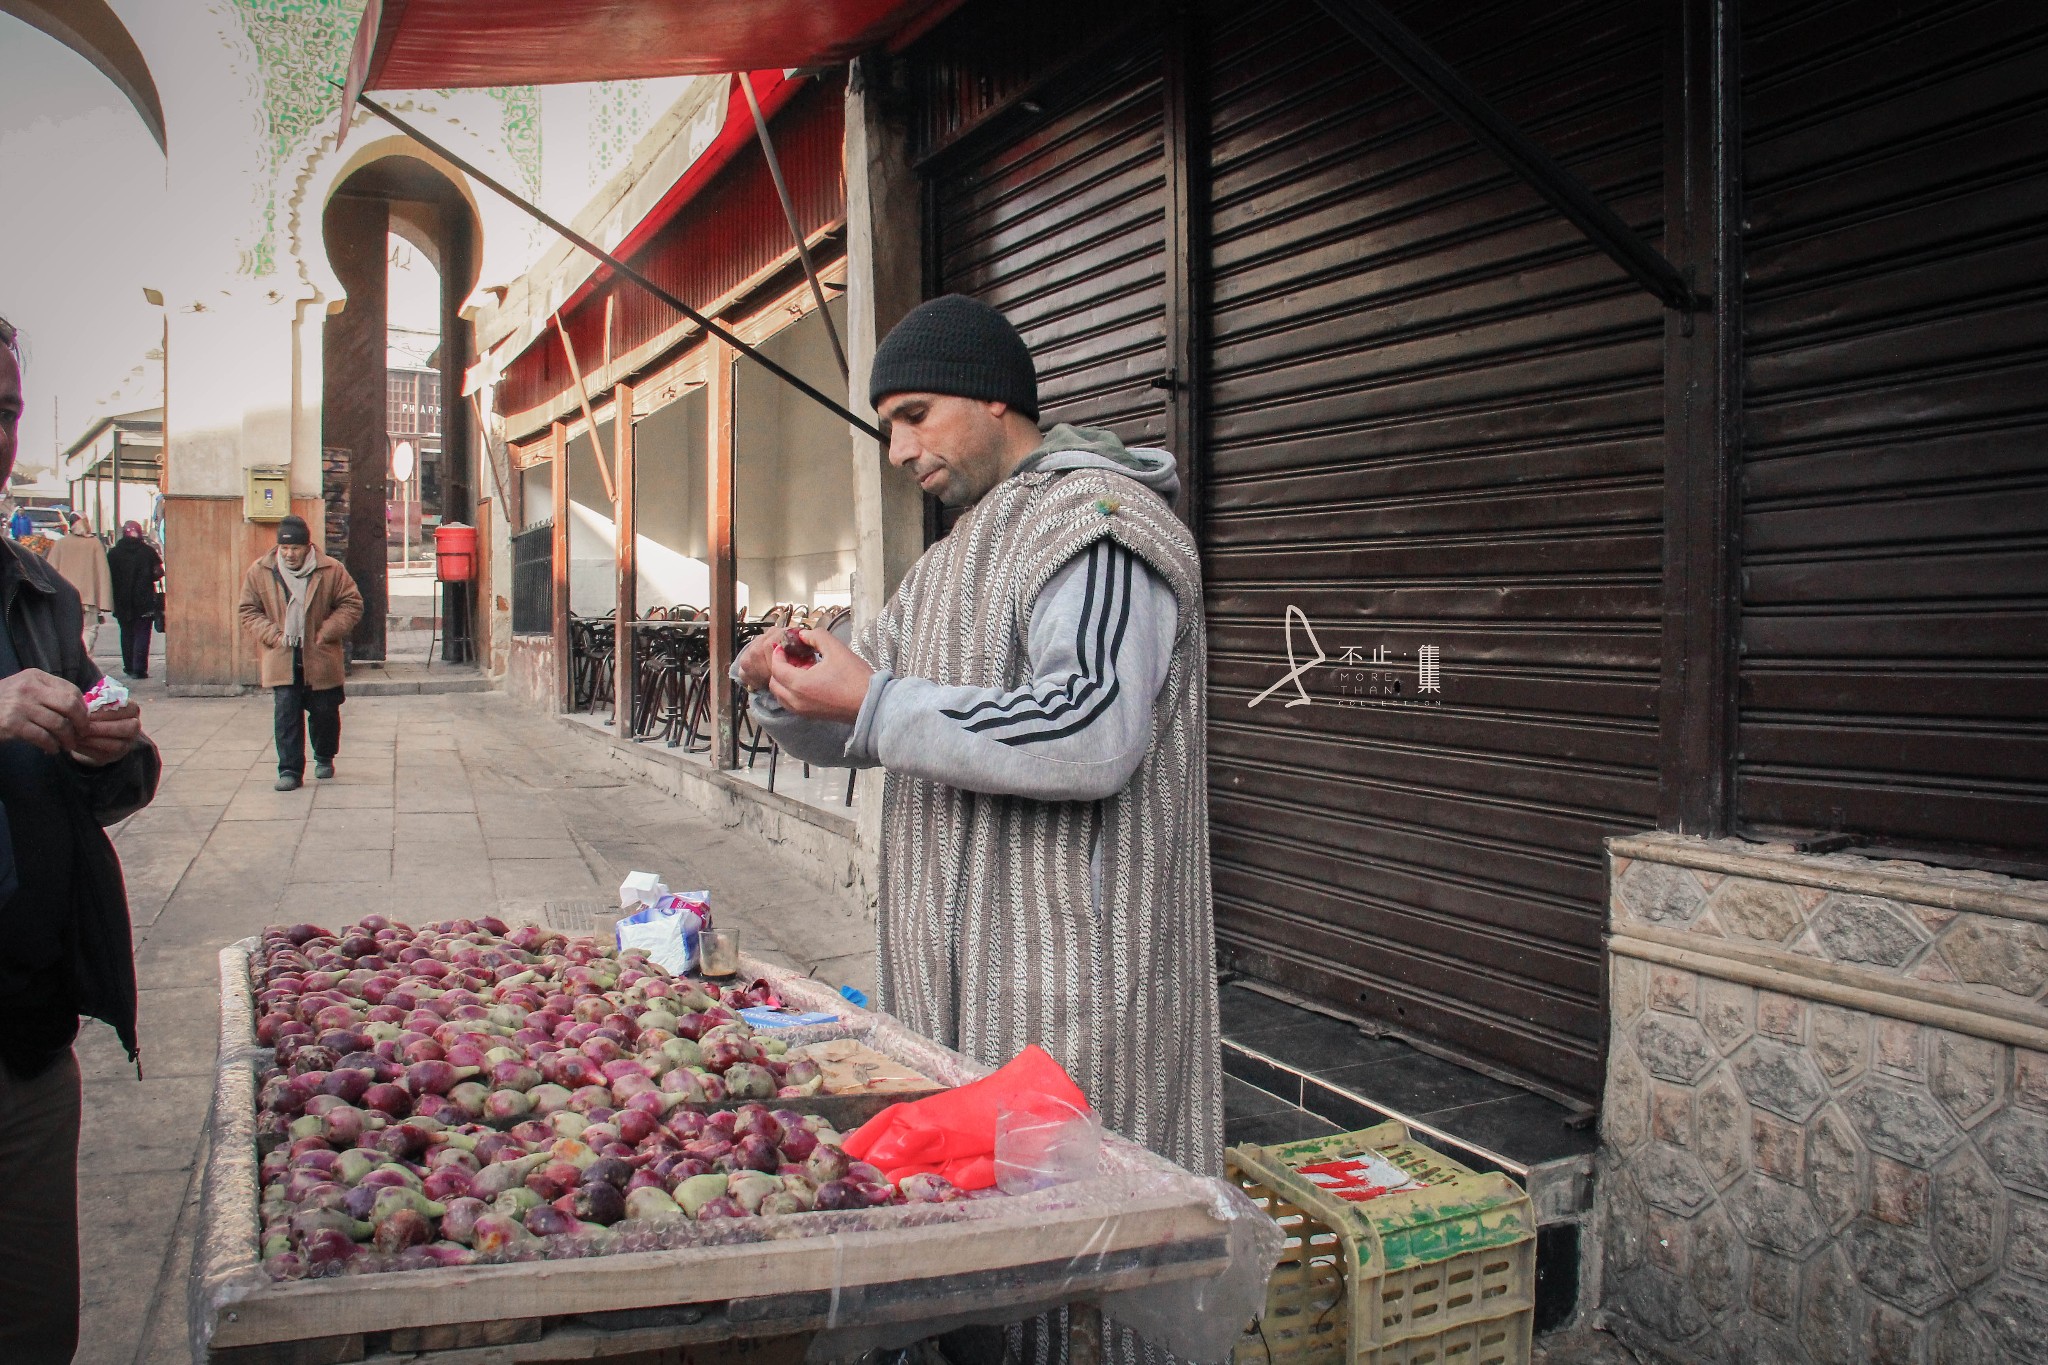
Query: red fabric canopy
(447, 44)
(773, 91)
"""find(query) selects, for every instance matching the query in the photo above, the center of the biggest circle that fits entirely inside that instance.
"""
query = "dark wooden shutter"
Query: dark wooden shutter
(1895, 473)
(1435, 420)
(1059, 222)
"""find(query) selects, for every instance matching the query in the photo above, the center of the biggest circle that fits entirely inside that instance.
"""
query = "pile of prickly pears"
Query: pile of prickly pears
(467, 1092)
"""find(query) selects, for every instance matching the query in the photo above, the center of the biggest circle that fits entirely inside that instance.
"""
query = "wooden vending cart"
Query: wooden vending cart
(754, 1288)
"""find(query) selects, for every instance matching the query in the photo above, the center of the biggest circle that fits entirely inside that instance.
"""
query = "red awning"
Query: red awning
(448, 44)
(773, 90)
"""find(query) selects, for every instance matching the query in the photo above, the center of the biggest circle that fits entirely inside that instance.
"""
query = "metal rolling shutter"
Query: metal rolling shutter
(1062, 228)
(1436, 420)
(1895, 472)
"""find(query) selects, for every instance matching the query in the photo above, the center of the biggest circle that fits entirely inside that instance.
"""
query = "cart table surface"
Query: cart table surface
(1140, 1222)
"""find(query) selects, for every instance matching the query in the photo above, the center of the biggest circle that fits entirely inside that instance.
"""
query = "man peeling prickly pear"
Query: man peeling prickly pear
(467, 1092)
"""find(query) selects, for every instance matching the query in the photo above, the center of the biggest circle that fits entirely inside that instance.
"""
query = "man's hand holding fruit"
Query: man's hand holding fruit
(810, 672)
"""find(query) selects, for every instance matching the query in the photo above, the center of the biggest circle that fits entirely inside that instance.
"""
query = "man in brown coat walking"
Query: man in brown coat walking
(299, 606)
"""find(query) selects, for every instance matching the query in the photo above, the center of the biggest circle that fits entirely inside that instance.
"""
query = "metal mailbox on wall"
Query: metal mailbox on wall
(266, 493)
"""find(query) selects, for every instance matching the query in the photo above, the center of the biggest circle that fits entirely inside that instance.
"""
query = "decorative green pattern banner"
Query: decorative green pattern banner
(302, 46)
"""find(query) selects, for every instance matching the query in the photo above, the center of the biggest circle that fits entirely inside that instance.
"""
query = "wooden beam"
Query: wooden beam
(629, 562)
(719, 493)
(604, 470)
(1702, 421)
(558, 442)
(483, 435)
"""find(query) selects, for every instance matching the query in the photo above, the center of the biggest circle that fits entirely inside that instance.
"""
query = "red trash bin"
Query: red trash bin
(455, 553)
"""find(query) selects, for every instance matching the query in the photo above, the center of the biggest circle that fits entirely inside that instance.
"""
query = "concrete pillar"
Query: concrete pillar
(460, 479)
(884, 280)
(352, 401)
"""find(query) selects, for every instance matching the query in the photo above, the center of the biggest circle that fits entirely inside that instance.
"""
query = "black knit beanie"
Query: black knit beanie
(292, 530)
(960, 346)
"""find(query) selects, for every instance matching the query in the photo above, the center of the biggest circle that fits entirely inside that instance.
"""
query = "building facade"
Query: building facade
(273, 291)
(1627, 650)
(1635, 695)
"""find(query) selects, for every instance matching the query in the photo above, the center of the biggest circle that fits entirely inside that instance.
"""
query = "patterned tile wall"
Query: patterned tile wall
(1791, 1180)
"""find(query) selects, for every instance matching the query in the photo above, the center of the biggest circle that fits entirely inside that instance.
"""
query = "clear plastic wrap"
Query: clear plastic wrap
(1191, 1298)
(1183, 1260)
(1050, 1144)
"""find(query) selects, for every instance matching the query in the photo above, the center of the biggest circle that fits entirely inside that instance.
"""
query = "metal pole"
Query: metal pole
(483, 431)
(796, 231)
(611, 488)
(627, 271)
(1369, 22)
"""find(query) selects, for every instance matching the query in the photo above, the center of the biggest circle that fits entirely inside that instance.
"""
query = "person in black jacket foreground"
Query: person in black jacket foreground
(64, 941)
(136, 567)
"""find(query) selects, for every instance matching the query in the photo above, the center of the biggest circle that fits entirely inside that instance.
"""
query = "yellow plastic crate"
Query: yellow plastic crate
(1443, 1275)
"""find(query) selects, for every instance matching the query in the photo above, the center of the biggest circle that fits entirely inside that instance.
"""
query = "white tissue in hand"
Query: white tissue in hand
(105, 693)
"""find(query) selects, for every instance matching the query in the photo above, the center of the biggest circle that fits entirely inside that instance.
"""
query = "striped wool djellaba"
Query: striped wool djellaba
(1085, 927)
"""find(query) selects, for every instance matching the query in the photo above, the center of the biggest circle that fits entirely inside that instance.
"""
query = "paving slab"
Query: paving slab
(142, 1126)
(318, 863)
(127, 1223)
(165, 1336)
(547, 878)
(348, 796)
(181, 1025)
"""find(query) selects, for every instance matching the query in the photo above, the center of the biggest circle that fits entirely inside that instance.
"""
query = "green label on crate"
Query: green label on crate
(1447, 1231)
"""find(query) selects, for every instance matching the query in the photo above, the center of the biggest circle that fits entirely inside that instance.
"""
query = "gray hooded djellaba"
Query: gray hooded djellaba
(1039, 712)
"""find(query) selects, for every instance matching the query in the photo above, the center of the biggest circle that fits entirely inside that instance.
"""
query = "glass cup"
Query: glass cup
(719, 951)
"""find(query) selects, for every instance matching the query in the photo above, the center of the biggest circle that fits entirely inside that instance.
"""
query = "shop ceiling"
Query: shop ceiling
(449, 44)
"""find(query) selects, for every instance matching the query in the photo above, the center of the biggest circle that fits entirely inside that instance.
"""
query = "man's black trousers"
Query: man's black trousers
(135, 632)
(301, 708)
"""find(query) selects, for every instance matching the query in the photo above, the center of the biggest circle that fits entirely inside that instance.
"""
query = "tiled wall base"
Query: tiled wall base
(1826, 1116)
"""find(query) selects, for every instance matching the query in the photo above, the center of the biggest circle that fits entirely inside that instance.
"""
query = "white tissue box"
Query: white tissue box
(640, 888)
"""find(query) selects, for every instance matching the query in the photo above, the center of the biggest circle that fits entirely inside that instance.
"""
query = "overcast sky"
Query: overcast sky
(83, 185)
(81, 234)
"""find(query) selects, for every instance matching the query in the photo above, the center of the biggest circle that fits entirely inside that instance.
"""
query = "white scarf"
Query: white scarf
(295, 581)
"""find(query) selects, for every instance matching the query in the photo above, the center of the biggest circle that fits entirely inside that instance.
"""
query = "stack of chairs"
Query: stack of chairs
(592, 640)
(672, 689)
(672, 675)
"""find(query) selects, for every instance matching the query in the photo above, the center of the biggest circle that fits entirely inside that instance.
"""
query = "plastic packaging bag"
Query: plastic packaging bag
(953, 1133)
(1045, 1142)
(667, 930)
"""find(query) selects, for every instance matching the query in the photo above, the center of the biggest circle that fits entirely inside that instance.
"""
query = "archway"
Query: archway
(95, 33)
(405, 197)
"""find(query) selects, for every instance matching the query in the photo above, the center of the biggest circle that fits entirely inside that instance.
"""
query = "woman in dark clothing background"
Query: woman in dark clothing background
(136, 569)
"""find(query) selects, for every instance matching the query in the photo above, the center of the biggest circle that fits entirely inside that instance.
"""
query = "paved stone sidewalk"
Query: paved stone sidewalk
(443, 805)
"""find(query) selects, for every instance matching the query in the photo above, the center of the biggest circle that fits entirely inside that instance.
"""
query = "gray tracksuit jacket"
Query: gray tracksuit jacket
(1100, 642)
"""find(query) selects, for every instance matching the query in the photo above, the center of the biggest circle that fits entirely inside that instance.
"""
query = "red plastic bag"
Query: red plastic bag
(954, 1133)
